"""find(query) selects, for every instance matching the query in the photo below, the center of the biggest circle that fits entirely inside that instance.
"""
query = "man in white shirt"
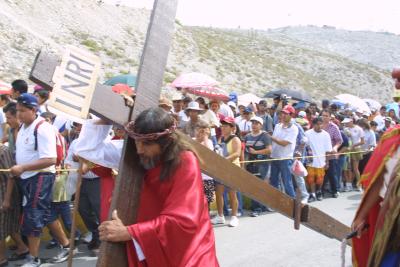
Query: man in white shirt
(283, 146)
(36, 150)
(320, 143)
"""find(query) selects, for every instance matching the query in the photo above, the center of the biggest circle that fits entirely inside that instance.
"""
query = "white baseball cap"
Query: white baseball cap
(258, 119)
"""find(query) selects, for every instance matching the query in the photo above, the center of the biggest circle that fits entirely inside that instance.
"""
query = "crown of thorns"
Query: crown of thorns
(130, 129)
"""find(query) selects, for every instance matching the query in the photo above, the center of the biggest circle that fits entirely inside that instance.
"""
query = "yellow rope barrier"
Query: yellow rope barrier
(305, 157)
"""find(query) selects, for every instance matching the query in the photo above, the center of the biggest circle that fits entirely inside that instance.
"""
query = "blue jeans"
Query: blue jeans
(282, 168)
(339, 170)
(332, 175)
(62, 209)
(226, 202)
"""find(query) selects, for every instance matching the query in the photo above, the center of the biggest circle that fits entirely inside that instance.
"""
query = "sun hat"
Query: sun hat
(194, 106)
(257, 119)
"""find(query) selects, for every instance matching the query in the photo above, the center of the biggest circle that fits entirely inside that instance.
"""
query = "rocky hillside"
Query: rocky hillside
(374, 48)
(243, 61)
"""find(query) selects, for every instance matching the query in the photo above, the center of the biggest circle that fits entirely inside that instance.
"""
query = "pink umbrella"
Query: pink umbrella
(209, 92)
(194, 79)
(121, 88)
(5, 88)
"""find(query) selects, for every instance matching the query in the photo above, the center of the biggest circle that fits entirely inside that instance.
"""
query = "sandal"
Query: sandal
(16, 257)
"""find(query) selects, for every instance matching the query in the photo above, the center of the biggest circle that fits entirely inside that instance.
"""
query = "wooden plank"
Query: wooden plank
(148, 88)
(251, 186)
(113, 109)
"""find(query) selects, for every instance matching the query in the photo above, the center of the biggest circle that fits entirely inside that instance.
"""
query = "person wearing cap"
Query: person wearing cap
(302, 120)
(36, 150)
(245, 123)
(283, 147)
(232, 105)
(257, 147)
(18, 87)
(165, 104)
(193, 110)
(262, 108)
(231, 148)
(173, 226)
(388, 124)
(177, 103)
(357, 140)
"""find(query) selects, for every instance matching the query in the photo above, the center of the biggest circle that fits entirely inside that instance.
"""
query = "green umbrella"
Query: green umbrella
(127, 79)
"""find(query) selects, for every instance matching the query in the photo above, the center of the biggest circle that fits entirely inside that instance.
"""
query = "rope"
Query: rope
(58, 170)
(245, 161)
(304, 157)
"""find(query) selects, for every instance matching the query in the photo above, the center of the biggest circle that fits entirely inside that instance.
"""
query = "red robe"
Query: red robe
(107, 184)
(173, 226)
(388, 144)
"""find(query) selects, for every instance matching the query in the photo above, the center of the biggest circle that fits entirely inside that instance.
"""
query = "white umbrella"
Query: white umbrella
(354, 102)
(246, 99)
(373, 104)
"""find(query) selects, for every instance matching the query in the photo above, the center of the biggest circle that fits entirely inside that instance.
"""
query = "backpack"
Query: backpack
(61, 146)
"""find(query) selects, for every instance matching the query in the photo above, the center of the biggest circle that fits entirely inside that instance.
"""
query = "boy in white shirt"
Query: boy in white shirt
(320, 143)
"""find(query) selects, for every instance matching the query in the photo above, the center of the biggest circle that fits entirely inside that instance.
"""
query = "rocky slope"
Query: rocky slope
(243, 61)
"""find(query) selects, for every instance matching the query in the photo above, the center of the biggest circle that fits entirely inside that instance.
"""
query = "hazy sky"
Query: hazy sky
(376, 15)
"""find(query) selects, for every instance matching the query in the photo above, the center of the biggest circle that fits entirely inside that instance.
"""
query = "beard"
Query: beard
(149, 162)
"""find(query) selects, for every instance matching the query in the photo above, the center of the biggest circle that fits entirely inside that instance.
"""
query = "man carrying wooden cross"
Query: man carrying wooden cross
(173, 226)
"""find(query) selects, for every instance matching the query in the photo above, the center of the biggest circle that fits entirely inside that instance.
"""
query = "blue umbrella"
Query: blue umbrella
(128, 79)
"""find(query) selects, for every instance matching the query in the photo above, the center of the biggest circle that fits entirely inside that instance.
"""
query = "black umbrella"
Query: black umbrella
(296, 94)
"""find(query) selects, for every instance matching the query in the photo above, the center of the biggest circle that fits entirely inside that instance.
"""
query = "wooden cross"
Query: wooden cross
(110, 106)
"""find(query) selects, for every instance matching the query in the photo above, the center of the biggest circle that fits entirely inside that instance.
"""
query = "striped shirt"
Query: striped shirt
(334, 133)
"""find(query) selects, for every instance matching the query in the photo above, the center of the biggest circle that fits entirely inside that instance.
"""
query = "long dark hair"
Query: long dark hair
(156, 120)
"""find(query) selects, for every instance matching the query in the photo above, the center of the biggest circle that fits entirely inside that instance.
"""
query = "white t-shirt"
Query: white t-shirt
(245, 126)
(25, 145)
(370, 140)
(380, 120)
(356, 134)
(320, 143)
(289, 134)
(182, 116)
(210, 118)
(238, 119)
